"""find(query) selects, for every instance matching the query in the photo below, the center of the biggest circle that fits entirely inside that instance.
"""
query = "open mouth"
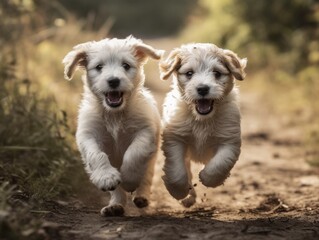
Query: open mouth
(114, 98)
(204, 106)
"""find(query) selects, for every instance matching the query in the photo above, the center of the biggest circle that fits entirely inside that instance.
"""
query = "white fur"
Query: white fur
(213, 139)
(118, 144)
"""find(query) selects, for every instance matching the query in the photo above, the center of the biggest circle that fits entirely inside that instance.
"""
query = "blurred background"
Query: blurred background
(38, 107)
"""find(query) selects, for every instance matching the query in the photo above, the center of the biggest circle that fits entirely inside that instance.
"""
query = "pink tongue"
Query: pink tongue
(114, 97)
(204, 106)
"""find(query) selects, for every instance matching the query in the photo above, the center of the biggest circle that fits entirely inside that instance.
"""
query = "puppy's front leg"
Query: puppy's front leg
(98, 166)
(176, 176)
(218, 168)
(136, 157)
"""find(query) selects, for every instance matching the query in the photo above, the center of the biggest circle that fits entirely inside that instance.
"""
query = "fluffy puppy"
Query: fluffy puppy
(201, 116)
(118, 121)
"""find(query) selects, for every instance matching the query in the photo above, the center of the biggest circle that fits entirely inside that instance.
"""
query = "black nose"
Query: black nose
(203, 90)
(114, 82)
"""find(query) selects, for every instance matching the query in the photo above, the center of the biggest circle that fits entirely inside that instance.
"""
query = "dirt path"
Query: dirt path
(272, 194)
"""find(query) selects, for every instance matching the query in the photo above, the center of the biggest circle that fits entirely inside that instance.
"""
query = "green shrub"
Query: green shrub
(34, 152)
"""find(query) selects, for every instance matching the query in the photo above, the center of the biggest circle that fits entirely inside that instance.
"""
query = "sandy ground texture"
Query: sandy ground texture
(272, 193)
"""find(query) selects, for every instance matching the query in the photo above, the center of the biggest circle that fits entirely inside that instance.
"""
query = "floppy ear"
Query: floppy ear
(235, 65)
(142, 51)
(74, 59)
(171, 64)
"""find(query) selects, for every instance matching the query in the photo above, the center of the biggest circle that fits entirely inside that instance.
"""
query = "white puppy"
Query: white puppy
(201, 116)
(118, 122)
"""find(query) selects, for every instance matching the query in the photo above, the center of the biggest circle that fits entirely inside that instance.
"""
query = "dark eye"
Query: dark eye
(126, 66)
(99, 67)
(189, 74)
(217, 74)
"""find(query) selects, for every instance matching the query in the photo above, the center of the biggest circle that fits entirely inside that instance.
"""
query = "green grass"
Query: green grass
(35, 146)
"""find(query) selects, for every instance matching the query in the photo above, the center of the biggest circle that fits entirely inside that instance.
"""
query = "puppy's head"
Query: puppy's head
(114, 68)
(204, 74)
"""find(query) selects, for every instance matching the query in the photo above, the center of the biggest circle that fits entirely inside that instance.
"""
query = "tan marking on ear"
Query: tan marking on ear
(142, 51)
(76, 58)
(235, 65)
(170, 65)
(235, 62)
(72, 61)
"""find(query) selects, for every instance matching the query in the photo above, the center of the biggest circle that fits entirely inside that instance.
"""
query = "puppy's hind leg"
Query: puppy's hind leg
(190, 200)
(116, 204)
(143, 192)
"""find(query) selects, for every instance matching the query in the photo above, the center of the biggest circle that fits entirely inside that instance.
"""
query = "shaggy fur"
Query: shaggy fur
(201, 117)
(118, 122)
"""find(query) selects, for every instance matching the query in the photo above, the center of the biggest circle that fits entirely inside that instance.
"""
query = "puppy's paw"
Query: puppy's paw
(189, 201)
(211, 179)
(112, 211)
(178, 189)
(106, 179)
(140, 202)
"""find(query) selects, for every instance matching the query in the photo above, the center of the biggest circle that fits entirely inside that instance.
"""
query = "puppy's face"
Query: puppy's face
(204, 75)
(114, 68)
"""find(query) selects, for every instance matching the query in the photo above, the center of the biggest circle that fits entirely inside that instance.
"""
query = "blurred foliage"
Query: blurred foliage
(38, 161)
(25, 17)
(218, 22)
(143, 18)
(263, 30)
(287, 25)
(279, 22)
(35, 151)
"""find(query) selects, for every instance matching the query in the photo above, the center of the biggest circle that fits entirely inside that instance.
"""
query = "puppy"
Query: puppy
(201, 117)
(118, 122)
